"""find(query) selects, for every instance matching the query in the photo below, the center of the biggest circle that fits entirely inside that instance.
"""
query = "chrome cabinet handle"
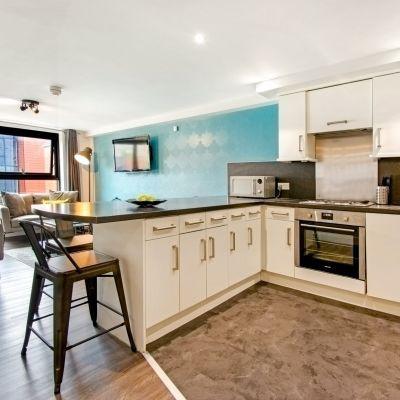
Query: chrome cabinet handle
(163, 228)
(237, 215)
(300, 143)
(190, 223)
(204, 257)
(254, 212)
(249, 236)
(176, 258)
(213, 219)
(378, 138)
(233, 241)
(342, 121)
(212, 247)
(288, 236)
(278, 213)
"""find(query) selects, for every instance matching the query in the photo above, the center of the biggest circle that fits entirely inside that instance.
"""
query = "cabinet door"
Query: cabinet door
(237, 251)
(294, 144)
(193, 268)
(217, 263)
(162, 279)
(386, 115)
(280, 249)
(383, 256)
(341, 107)
(253, 263)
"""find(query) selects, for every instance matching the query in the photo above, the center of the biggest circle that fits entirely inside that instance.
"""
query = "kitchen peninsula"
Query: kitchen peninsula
(188, 255)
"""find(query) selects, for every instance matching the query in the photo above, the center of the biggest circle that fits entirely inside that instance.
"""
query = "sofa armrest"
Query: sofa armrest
(5, 218)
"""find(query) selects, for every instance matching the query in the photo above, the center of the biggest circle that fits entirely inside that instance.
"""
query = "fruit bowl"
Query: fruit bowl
(146, 203)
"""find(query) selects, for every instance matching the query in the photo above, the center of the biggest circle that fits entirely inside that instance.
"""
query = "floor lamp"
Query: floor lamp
(84, 157)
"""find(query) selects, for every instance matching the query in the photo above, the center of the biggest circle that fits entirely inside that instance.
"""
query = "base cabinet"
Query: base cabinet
(383, 256)
(253, 257)
(162, 279)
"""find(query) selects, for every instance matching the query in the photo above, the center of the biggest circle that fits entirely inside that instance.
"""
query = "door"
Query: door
(237, 251)
(280, 248)
(383, 256)
(386, 101)
(193, 268)
(253, 262)
(340, 107)
(294, 144)
(217, 263)
(162, 279)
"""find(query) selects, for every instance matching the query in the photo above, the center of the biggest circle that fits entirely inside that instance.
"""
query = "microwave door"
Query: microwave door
(243, 187)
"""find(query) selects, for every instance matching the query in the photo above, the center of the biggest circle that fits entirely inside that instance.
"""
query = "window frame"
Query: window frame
(54, 174)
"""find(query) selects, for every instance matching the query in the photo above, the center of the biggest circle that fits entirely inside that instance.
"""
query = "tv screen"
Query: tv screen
(132, 154)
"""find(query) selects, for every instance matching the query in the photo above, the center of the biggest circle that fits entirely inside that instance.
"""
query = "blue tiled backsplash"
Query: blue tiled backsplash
(192, 161)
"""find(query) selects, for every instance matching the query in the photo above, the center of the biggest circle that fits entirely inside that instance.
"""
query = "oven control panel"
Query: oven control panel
(330, 216)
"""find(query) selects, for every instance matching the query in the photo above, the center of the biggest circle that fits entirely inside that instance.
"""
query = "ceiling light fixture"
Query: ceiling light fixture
(55, 90)
(32, 104)
(199, 38)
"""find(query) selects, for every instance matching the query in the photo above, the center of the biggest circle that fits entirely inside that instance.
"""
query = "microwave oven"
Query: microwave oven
(252, 186)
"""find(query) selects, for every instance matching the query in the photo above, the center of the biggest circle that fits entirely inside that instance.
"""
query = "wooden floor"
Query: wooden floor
(103, 368)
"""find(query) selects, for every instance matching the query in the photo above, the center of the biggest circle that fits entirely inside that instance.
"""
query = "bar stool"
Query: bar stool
(63, 271)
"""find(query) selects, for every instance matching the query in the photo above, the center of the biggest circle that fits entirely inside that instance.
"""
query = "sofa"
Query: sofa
(16, 207)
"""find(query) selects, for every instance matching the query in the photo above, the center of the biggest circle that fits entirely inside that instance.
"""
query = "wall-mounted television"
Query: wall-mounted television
(132, 154)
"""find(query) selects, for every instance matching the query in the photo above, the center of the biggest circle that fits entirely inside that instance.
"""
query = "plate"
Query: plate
(146, 203)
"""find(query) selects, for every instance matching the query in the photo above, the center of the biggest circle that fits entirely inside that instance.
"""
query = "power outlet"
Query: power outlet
(283, 186)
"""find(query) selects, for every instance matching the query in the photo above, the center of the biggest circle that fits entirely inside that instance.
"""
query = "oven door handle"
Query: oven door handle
(333, 228)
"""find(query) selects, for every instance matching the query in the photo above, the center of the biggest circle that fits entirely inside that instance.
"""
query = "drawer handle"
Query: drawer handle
(237, 215)
(250, 236)
(190, 223)
(233, 241)
(176, 258)
(254, 212)
(342, 121)
(212, 247)
(288, 236)
(204, 257)
(163, 228)
(278, 213)
(214, 219)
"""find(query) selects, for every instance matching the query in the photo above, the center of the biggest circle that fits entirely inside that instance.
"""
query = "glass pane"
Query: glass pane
(24, 154)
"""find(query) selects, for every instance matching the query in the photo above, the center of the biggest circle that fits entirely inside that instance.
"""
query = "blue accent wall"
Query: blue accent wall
(192, 161)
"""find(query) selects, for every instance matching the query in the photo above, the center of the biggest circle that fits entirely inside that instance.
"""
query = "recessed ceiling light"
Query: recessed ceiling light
(199, 38)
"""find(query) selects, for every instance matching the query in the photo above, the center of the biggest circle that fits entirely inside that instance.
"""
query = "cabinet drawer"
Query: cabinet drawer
(280, 213)
(253, 213)
(162, 227)
(237, 214)
(216, 218)
(192, 222)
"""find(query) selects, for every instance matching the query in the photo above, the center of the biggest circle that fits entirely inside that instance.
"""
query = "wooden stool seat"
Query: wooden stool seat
(63, 271)
(72, 244)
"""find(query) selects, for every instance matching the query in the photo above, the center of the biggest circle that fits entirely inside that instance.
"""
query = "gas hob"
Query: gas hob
(349, 203)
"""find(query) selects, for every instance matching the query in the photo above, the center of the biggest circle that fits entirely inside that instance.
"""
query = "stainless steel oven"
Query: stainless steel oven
(331, 241)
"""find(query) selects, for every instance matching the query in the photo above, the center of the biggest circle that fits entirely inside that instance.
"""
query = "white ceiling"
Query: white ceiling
(123, 61)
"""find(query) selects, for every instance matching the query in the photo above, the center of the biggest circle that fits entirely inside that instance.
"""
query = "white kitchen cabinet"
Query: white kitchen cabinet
(386, 100)
(237, 251)
(294, 143)
(253, 262)
(341, 107)
(162, 279)
(280, 241)
(193, 268)
(217, 261)
(383, 256)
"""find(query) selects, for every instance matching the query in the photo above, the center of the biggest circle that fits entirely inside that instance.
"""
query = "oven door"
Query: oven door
(333, 248)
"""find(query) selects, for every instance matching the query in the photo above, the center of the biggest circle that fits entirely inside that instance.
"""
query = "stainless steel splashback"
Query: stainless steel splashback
(344, 170)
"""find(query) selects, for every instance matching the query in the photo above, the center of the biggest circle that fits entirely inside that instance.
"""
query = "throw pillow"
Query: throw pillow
(70, 195)
(15, 204)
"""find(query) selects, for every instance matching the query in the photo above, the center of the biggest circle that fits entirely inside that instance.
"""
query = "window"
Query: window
(29, 160)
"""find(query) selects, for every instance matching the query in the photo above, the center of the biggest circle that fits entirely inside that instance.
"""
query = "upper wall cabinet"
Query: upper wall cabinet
(294, 144)
(338, 108)
(386, 129)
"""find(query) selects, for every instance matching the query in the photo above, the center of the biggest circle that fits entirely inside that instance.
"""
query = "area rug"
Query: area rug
(23, 254)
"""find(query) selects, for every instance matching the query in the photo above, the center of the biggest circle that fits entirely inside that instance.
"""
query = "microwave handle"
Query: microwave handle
(254, 186)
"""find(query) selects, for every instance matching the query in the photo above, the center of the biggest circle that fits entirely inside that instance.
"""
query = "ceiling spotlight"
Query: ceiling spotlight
(32, 104)
(199, 38)
(55, 90)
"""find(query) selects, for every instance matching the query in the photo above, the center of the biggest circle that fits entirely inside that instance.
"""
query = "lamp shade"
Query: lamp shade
(84, 156)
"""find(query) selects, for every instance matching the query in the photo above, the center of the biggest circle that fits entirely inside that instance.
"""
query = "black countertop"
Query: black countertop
(117, 210)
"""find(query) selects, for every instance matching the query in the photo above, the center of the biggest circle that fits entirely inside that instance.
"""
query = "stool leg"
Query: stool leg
(62, 306)
(37, 283)
(91, 290)
(40, 296)
(124, 309)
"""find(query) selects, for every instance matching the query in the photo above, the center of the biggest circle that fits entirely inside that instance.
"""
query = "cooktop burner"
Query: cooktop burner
(365, 203)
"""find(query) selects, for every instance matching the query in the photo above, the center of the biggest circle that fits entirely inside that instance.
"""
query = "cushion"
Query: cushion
(29, 217)
(70, 195)
(15, 204)
(39, 197)
(28, 199)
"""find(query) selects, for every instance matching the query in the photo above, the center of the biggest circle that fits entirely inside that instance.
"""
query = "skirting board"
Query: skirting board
(356, 299)
(167, 326)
